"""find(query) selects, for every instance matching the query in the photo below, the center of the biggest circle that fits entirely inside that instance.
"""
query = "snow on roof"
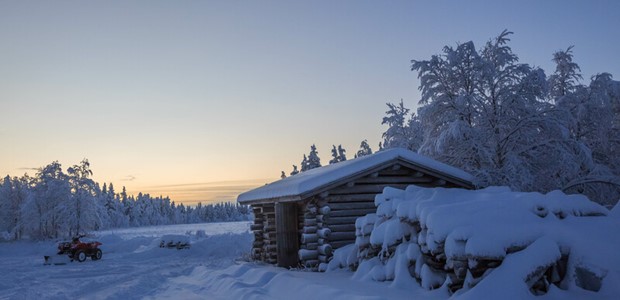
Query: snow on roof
(316, 178)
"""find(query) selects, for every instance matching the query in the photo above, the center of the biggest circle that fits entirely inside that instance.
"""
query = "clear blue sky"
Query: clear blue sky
(204, 99)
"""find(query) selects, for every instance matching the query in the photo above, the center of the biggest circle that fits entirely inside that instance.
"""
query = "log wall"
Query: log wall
(326, 222)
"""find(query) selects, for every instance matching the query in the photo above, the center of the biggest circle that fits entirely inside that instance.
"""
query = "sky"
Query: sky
(202, 100)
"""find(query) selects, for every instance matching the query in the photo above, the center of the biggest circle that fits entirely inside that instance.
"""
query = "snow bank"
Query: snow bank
(456, 240)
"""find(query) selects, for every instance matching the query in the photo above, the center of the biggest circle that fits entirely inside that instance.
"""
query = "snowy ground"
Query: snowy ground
(134, 266)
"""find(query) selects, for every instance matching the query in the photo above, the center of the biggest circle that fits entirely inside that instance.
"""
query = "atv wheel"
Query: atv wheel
(97, 255)
(80, 255)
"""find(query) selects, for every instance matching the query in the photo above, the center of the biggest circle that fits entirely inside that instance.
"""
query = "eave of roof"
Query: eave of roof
(306, 184)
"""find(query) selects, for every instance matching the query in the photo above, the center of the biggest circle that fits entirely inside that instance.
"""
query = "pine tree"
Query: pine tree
(313, 159)
(364, 149)
(295, 171)
(335, 156)
(342, 154)
(304, 164)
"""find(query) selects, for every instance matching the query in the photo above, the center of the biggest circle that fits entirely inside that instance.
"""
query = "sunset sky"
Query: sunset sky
(201, 100)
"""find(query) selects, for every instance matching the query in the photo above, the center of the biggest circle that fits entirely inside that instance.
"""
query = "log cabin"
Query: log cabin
(299, 220)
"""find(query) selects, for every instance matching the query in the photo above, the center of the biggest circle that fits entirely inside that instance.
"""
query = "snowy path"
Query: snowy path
(134, 267)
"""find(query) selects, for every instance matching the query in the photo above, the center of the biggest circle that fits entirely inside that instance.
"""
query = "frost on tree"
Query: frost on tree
(295, 171)
(403, 131)
(504, 121)
(338, 154)
(55, 204)
(313, 159)
(364, 149)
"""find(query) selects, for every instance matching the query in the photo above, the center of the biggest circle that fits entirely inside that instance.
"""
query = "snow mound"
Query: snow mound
(486, 242)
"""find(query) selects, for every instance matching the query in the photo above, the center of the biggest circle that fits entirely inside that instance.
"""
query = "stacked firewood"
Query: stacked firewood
(419, 231)
(315, 236)
(264, 229)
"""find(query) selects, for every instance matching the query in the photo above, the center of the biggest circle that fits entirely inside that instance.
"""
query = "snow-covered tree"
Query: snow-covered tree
(42, 212)
(335, 157)
(82, 213)
(364, 149)
(338, 154)
(566, 76)
(342, 153)
(313, 159)
(304, 164)
(295, 171)
(403, 131)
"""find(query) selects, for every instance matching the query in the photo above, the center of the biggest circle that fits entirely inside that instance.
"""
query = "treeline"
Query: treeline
(55, 204)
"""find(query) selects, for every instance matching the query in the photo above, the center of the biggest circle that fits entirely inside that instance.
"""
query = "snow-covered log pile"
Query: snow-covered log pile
(457, 239)
(315, 243)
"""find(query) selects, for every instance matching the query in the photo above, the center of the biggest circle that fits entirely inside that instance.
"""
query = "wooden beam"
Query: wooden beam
(352, 212)
(340, 220)
(339, 244)
(365, 189)
(395, 179)
(353, 198)
(352, 205)
(342, 227)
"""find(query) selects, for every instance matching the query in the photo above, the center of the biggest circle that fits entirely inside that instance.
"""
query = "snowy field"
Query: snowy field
(215, 267)
(134, 267)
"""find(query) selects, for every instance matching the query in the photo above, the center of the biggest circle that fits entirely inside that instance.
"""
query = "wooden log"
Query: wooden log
(322, 242)
(324, 210)
(352, 198)
(309, 238)
(310, 229)
(325, 249)
(269, 228)
(257, 244)
(343, 227)
(395, 179)
(320, 218)
(268, 209)
(342, 236)
(310, 222)
(311, 263)
(323, 258)
(311, 246)
(352, 212)
(352, 205)
(341, 220)
(364, 189)
(339, 244)
(270, 261)
(256, 227)
(324, 232)
(269, 235)
(305, 254)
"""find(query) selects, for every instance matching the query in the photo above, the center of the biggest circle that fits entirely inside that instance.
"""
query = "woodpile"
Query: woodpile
(439, 247)
(264, 246)
(315, 248)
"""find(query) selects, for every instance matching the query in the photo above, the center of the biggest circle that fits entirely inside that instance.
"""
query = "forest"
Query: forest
(55, 204)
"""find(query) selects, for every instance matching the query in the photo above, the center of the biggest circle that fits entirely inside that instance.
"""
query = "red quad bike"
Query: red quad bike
(79, 251)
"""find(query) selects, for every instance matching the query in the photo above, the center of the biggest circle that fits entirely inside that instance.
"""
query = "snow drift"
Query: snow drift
(487, 242)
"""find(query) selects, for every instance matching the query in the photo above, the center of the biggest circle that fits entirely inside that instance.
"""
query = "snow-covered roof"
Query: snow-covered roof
(315, 179)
